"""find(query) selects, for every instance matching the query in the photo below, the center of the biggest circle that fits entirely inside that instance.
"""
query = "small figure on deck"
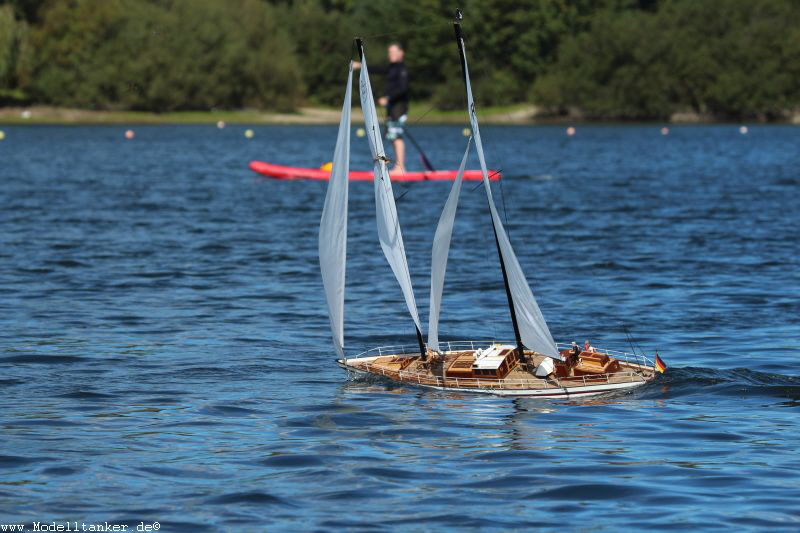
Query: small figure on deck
(587, 347)
(395, 100)
(572, 358)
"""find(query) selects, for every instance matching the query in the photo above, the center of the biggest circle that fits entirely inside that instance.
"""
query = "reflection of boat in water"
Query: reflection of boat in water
(531, 366)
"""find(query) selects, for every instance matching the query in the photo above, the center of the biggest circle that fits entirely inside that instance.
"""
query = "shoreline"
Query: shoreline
(520, 114)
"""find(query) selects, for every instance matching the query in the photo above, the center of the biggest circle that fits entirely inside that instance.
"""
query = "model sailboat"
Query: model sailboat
(532, 366)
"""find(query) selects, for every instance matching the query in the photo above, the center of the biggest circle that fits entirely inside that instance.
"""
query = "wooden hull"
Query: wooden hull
(406, 368)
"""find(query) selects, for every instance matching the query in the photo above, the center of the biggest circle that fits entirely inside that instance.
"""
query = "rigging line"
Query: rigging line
(505, 211)
(406, 189)
(430, 108)
(381, 159)
(489, 267)
(479, 185)
(630, 341)
(634, 345)
(398, 198)
(403, 249)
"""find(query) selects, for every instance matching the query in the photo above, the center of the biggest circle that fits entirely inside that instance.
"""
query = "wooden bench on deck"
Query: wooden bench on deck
(596, 363)
(393, 364)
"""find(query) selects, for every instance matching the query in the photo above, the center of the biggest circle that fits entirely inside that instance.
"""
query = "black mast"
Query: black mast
(518, 338)
(422, 351)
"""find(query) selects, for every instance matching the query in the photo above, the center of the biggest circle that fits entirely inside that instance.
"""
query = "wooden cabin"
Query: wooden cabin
(461, 367)
(494, 362)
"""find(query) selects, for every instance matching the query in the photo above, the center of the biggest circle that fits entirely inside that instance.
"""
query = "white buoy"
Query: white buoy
(665, 131)
(2, 135)
(570, 131)
(466, 132)
(249, 133)
(360, 132)
(130, 134)
(220, 124)
(743, 130)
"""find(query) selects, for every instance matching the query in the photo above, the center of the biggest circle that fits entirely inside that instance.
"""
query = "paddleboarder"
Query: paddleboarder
(395, 100)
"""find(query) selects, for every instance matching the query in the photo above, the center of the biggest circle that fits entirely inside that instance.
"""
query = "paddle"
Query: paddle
(425, 162)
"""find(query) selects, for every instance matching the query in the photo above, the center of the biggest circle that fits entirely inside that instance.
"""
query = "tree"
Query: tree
(13, 36)
(728, 58)
(163, 55)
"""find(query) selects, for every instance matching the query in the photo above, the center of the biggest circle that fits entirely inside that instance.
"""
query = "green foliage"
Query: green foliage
(163, 55)
(324, 41)
(729, 58)
(26, 10)
(605, 58)
(13, 34)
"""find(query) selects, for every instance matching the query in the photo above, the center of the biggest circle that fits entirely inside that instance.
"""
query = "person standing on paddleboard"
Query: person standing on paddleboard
(395, 100)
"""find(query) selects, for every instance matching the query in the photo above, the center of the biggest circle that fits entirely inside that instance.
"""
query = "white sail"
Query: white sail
(333, 226)
(533, 328)
(386, 211)
(441, 249)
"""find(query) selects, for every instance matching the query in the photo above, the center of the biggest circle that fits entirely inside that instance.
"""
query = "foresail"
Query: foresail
(441, 249)
(534, 333)
(389, 233)
(333, 226)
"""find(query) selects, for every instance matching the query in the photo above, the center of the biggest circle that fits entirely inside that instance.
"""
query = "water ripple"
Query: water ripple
(166, 354)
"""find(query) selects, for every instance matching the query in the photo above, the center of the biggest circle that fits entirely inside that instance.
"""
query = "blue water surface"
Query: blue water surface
(165, 352)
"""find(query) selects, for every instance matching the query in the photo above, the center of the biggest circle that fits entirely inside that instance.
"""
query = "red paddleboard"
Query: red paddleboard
(292, 173)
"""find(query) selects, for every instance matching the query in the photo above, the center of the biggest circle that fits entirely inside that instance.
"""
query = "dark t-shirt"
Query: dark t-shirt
(396, 88)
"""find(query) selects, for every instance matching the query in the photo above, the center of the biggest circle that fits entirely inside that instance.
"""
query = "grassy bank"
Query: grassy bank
(421, 113)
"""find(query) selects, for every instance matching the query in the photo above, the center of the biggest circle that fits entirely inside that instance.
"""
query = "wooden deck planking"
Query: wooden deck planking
(520, 377)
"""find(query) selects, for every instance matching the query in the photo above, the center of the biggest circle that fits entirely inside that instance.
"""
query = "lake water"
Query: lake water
(165, 352)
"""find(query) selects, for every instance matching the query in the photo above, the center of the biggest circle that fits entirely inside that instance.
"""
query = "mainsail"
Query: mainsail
(333, 226)
(530, 325)
(386, 211)
(441, 249)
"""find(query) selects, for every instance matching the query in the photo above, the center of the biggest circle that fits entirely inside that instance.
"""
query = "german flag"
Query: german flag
(660, 366)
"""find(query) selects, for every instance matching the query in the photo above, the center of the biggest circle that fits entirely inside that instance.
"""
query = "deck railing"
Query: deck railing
(457, 346)
(505, 384)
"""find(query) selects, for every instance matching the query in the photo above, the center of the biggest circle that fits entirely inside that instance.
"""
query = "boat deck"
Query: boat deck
(408, 368)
